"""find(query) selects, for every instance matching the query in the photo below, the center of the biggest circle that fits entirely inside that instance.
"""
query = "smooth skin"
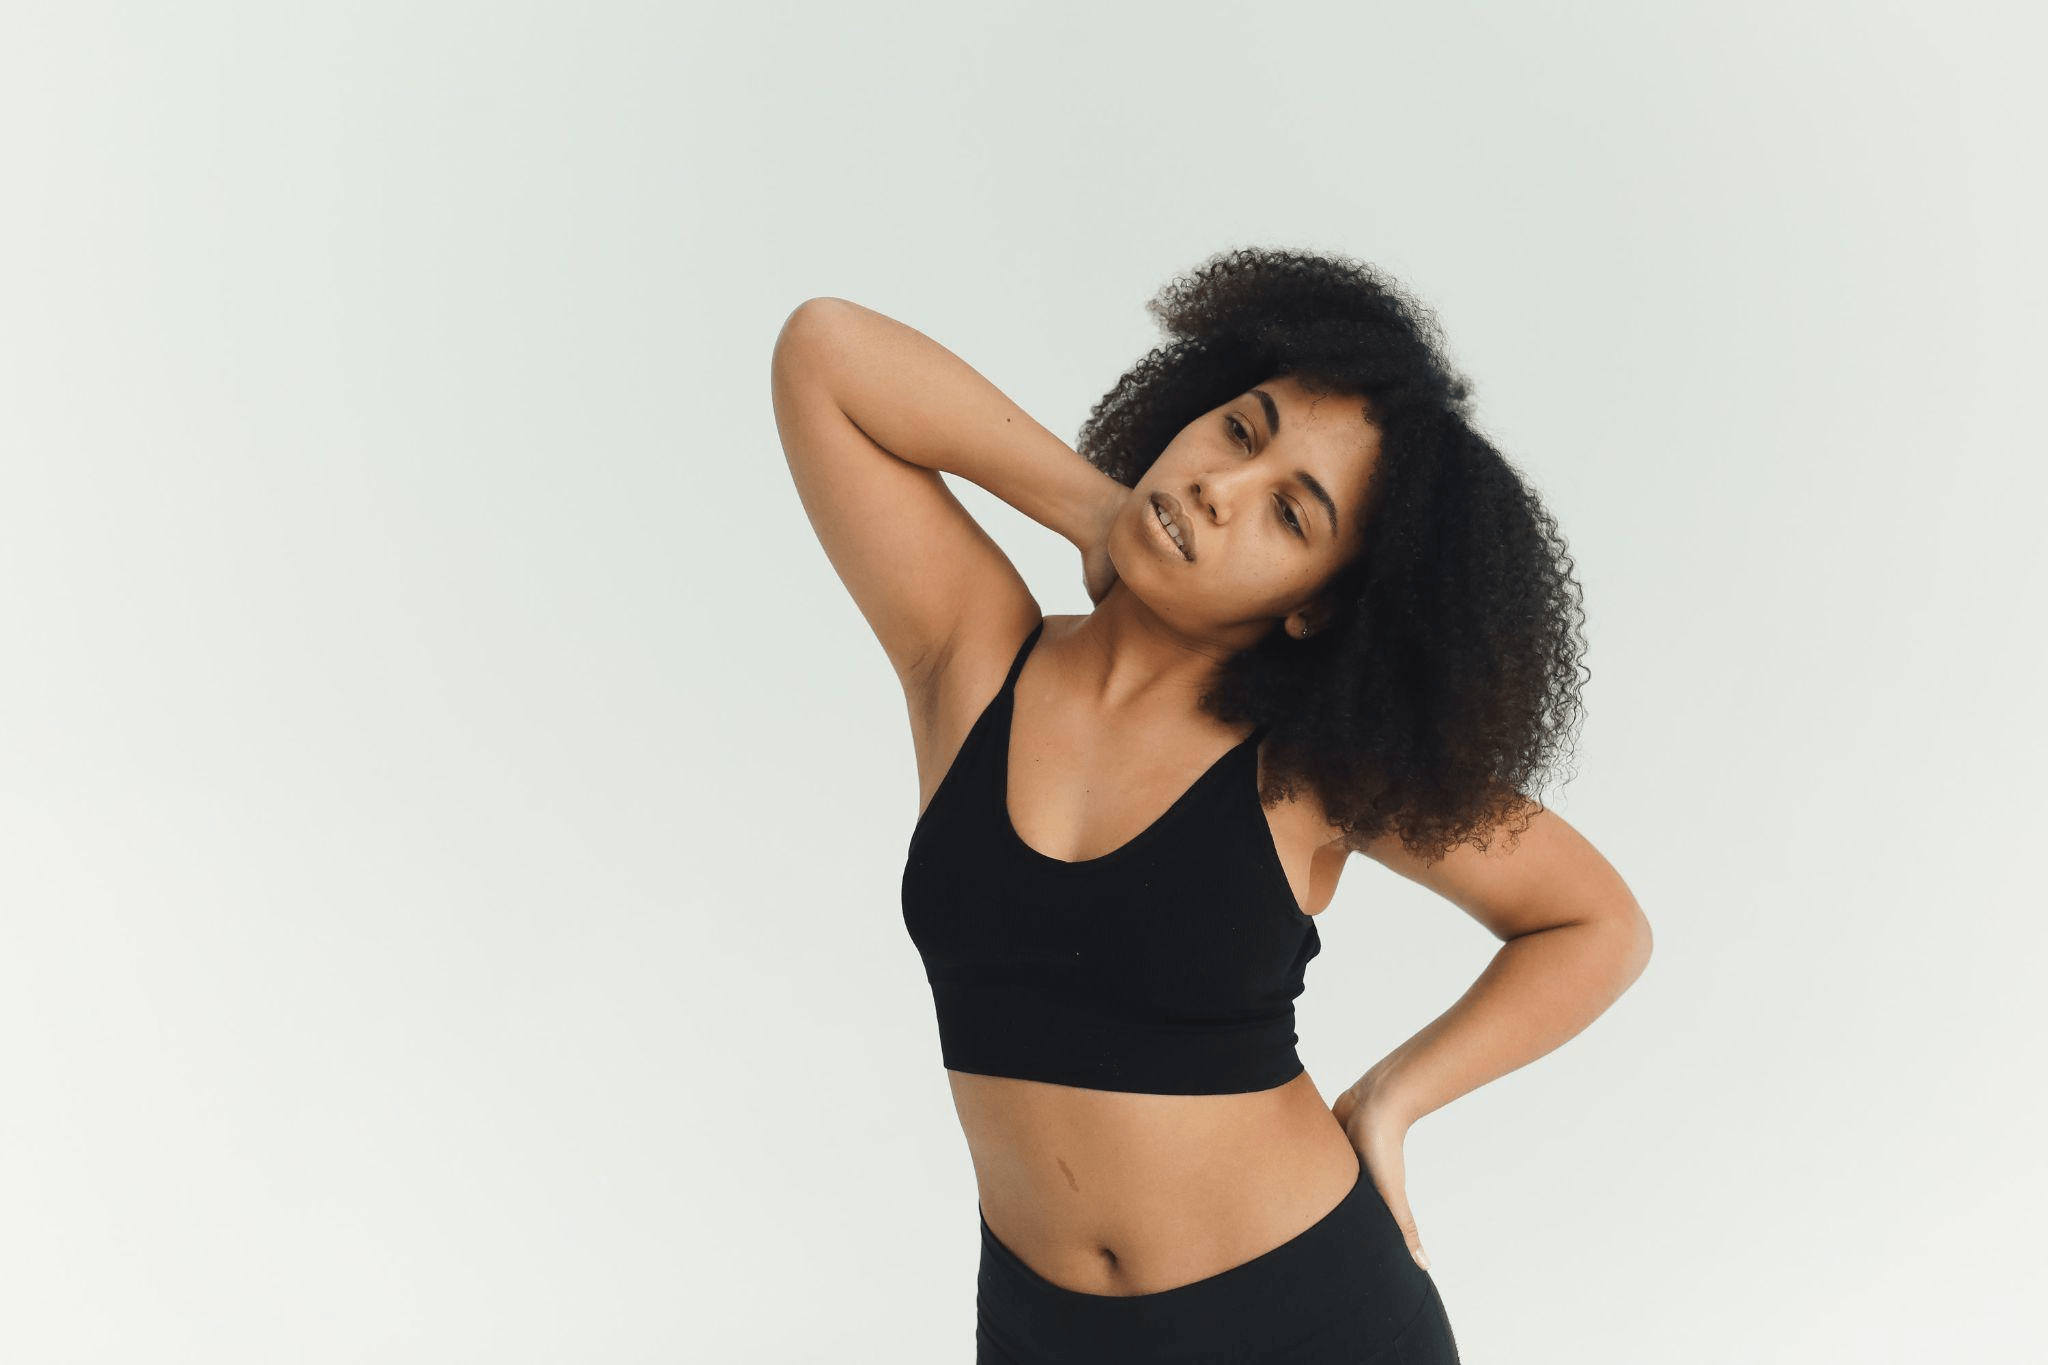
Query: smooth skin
(1107, 1192)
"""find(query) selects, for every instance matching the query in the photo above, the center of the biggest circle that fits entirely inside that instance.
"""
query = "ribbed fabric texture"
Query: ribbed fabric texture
(1167, 966)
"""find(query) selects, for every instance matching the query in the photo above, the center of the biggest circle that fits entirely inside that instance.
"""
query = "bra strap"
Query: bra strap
(1017, 664)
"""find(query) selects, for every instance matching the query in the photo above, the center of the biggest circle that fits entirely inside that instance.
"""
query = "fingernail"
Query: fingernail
(1422, 1258)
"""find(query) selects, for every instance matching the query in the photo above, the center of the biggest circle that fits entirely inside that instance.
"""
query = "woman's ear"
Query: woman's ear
(1307, 620)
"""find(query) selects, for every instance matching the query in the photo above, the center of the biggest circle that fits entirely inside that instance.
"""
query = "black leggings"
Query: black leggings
(1343, 1292)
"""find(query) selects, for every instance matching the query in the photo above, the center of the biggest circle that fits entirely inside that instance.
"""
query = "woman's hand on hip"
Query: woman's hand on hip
(1377, 1133)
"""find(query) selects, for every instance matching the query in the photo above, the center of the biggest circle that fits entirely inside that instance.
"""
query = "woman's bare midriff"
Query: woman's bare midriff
(1104, 1192)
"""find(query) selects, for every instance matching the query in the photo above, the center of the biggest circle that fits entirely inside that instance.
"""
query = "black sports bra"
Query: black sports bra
(1169, 965)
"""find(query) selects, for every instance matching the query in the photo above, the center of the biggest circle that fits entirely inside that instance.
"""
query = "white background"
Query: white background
(451, 813)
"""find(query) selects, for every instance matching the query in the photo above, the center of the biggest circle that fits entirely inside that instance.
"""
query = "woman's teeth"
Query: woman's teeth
(1160, 512)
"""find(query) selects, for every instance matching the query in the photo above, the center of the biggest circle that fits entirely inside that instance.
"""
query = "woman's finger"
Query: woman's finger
(1402, 1216)
(1390, 1175)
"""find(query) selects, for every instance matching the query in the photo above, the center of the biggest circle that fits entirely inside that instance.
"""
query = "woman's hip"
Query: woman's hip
(1344, 1289)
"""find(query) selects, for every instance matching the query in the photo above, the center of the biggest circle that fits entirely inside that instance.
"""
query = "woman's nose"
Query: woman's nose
(1213, 494)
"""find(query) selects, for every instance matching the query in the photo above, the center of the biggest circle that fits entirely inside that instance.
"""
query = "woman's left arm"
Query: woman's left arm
(1573, 939)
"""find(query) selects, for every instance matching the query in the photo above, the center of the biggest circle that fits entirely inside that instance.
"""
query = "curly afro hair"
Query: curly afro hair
(1446, 684)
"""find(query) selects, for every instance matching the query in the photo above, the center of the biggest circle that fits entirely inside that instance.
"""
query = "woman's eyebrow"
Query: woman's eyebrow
(1322, 495)
(1272, 413)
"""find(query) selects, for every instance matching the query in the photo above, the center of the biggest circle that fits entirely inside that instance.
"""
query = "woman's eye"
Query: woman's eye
(1286, 513)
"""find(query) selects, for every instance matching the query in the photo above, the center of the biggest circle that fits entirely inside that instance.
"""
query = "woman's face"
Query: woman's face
(1266, 493)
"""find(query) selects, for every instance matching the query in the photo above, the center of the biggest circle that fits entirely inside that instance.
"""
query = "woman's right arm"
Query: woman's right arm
(869, 412)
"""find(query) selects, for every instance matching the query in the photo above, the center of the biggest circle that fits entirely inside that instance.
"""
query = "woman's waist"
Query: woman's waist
(1113, 1193)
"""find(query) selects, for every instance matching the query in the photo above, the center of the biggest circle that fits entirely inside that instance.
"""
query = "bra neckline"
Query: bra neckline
(1162, 820)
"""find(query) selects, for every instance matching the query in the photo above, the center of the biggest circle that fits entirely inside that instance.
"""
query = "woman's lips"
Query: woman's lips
(1172, 508)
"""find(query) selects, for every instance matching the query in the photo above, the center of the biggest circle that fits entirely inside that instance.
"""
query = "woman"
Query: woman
(1329, 617)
